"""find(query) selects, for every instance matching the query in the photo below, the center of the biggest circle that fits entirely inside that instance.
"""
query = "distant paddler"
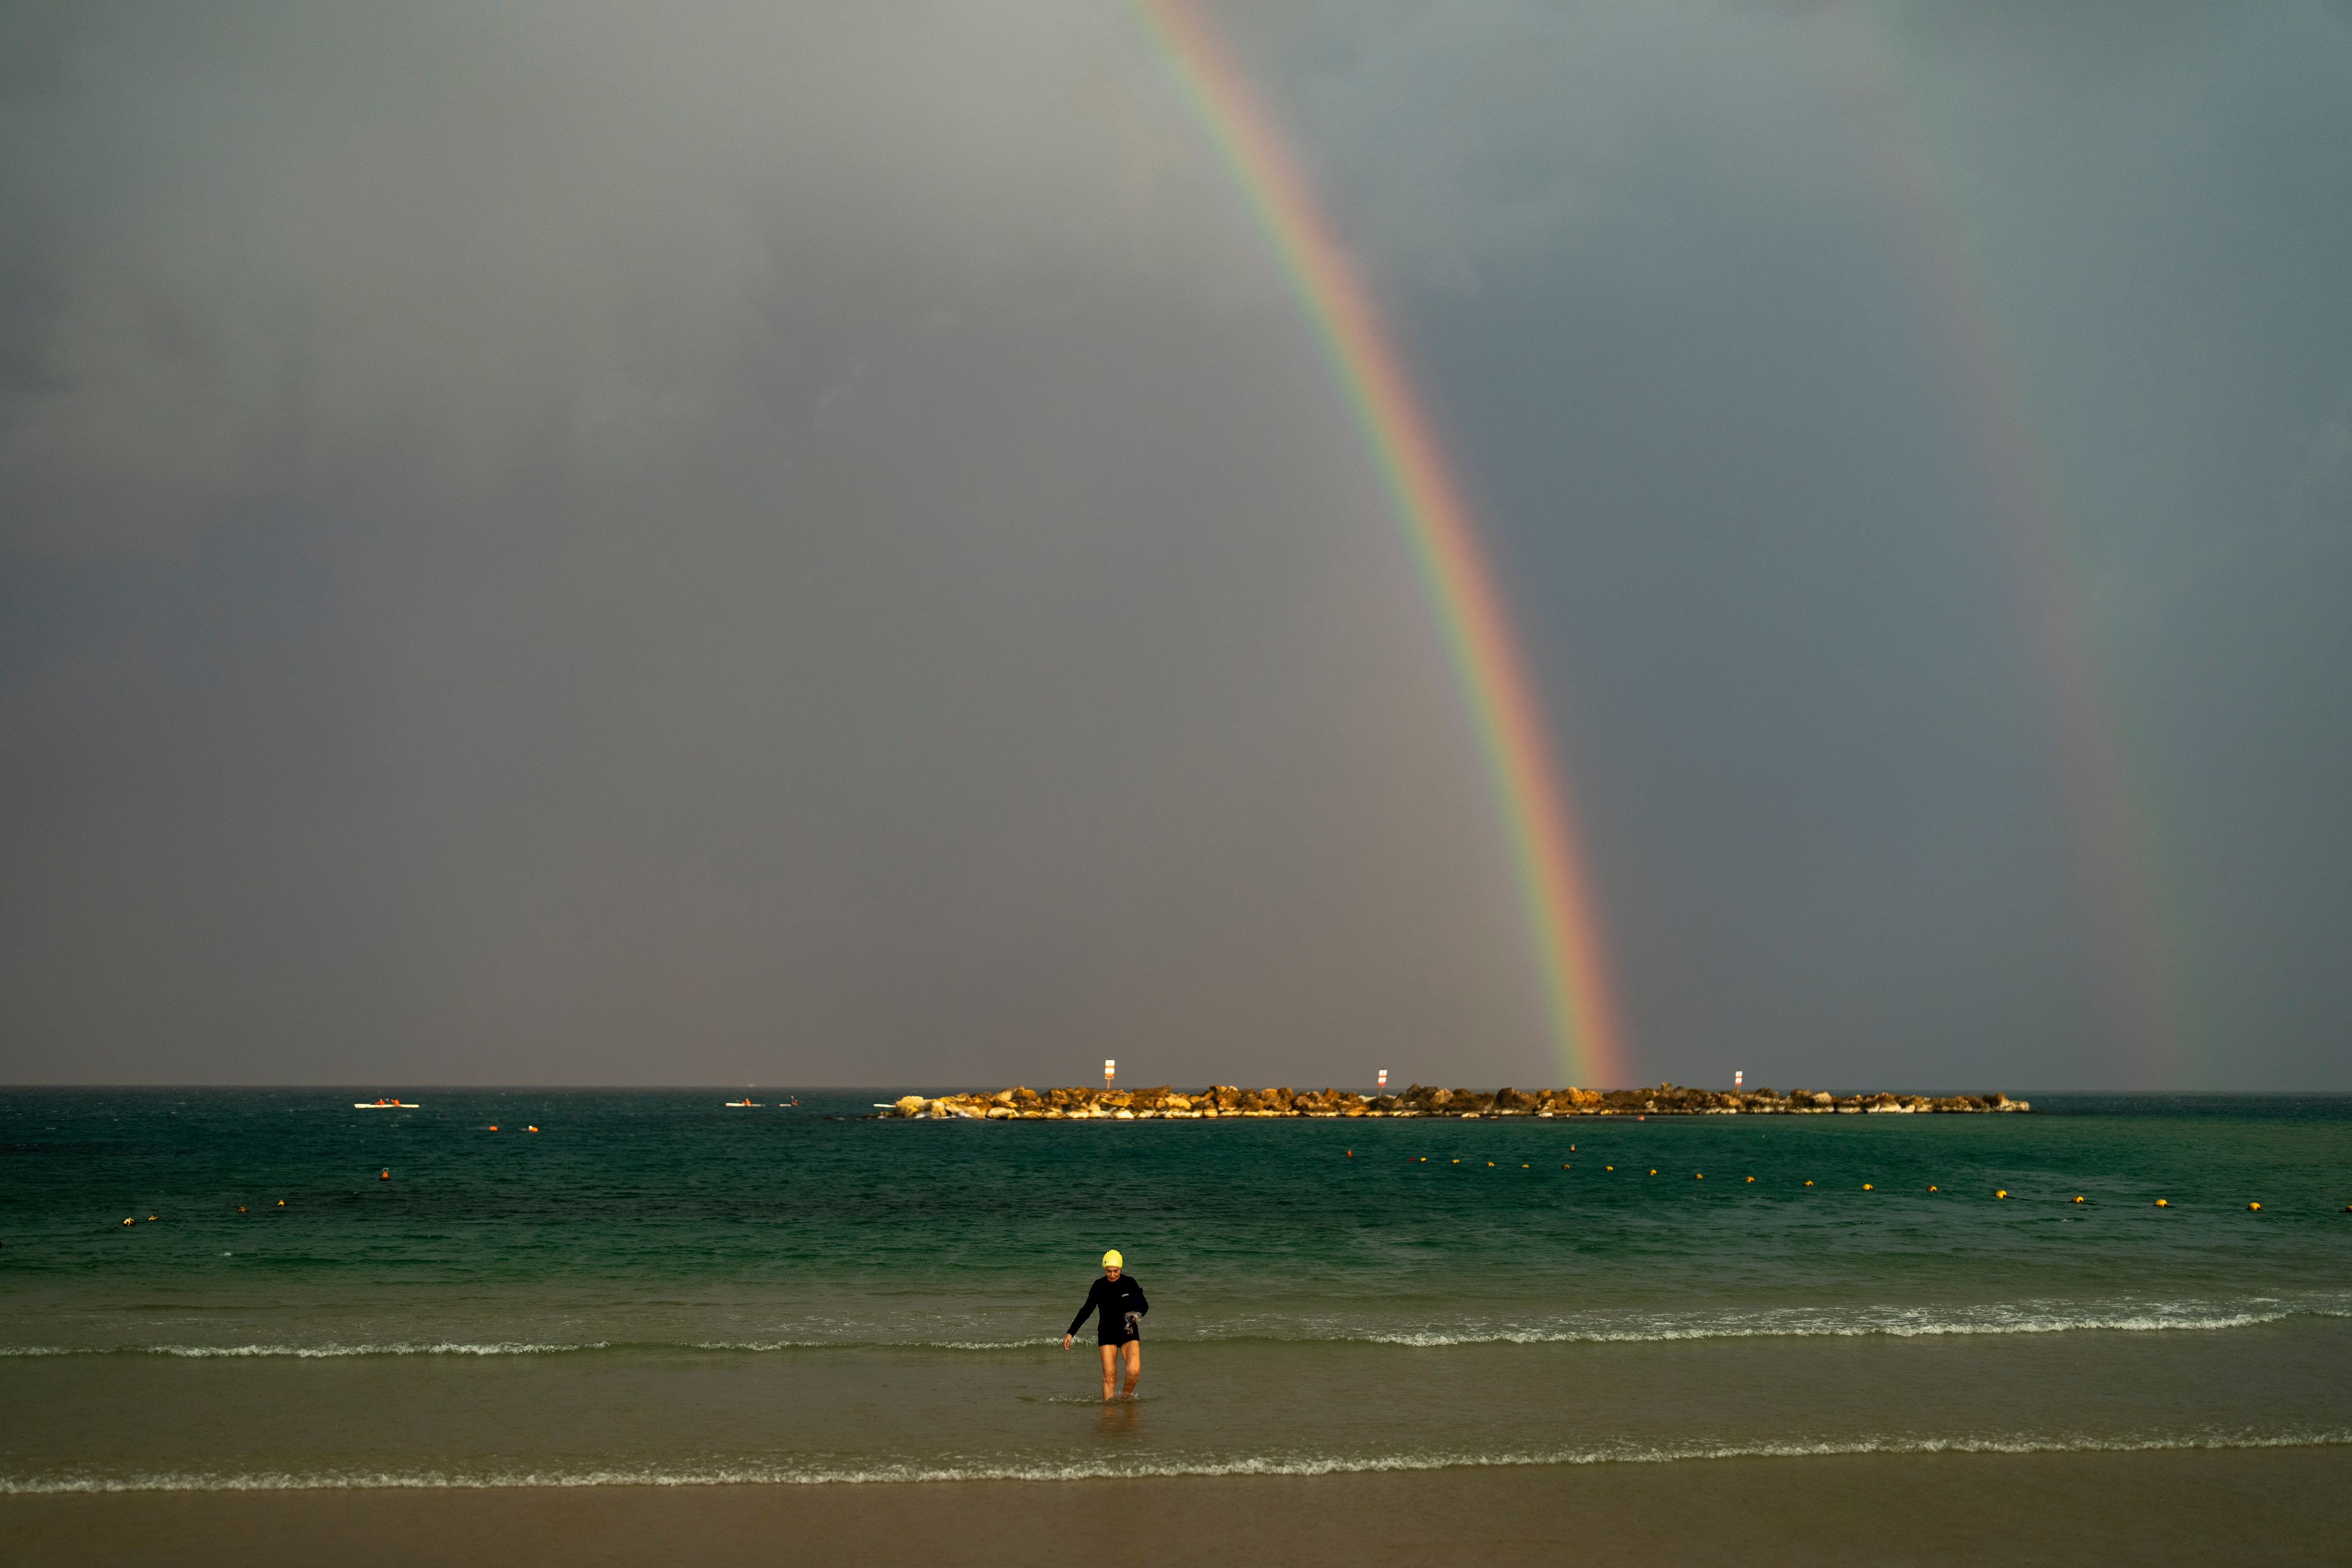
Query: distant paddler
(1117, 1302)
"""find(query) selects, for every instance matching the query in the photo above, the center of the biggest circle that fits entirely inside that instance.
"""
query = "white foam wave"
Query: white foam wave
(1921, 1327)
(1924, 1322)
(755, 1345)
(308, 1352)
(506, 1348)
(1107, 1469)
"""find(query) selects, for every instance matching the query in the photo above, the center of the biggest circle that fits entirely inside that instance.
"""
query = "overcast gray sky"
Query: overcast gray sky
(571, 543)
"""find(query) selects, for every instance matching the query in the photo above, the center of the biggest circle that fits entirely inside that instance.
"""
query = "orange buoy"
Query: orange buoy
(534, 1130)
(386, 1177)
(494, 1126)
(1351, 1153)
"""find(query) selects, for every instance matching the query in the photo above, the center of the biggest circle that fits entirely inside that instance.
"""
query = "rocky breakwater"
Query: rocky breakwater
(1024, 1104)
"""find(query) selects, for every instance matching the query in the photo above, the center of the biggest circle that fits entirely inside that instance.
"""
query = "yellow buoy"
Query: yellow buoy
(1653, 1170)
(2001, 1191)
(1524, 1167)
(281, 1203)
(2078, 1198)
(2254, 1205)
(1865, 1186)
(150, 1219)
(128, 1221)
(1809, 1184)
(2347, 1207)
(1931, 1187)
(2163, 1203)
(1490, 1164)
(240, 1208)
(1751, 1178)
(1563, 1167)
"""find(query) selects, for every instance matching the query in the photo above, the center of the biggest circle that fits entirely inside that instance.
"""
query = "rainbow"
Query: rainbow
(1530, 794)
(2129, 913)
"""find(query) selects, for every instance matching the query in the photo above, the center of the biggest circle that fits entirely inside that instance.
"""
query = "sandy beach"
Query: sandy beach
(2277, 1506)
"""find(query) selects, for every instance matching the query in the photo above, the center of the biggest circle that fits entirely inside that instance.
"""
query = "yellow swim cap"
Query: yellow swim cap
(1111, 1259)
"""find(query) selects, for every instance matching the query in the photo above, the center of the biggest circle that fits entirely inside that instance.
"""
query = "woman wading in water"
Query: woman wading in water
(1118, 1303)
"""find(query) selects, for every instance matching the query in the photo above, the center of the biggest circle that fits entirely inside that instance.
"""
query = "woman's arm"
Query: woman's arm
(1135, 1303)
(1093, 1292)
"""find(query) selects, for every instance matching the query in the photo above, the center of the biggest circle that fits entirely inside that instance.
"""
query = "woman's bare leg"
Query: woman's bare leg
(1110, 1370)
(1134, 1369)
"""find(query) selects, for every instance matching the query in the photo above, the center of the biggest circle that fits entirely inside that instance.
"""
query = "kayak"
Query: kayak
(384, 1105)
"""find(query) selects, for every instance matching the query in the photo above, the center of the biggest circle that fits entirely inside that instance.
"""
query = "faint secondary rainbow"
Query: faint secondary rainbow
(1530, 792)
(2130, 923)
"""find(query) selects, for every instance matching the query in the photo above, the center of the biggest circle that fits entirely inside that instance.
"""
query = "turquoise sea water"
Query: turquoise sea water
(655, 1287)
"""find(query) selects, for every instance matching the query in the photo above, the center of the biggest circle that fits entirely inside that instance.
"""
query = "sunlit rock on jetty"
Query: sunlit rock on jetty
(1026, 1104)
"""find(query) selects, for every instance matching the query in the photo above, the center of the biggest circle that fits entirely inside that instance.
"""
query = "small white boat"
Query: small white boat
(742, 1104)
(384, 1105)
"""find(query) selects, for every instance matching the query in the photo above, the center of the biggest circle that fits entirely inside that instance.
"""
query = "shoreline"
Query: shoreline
(1022, 1103)
(2285, 1505)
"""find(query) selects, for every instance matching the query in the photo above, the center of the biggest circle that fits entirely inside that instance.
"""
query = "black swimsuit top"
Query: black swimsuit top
(1114, 1300)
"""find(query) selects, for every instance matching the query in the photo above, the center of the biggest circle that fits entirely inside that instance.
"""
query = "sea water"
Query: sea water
(653, 1287)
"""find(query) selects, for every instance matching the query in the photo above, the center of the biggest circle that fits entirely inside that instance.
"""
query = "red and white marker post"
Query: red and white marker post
(1110, 1071)
(1737, 1079)
(1384, 1080)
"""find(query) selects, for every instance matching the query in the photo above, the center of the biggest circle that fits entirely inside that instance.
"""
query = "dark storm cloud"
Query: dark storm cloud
(615, 545)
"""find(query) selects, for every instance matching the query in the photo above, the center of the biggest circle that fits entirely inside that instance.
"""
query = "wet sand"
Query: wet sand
(2276, 1506)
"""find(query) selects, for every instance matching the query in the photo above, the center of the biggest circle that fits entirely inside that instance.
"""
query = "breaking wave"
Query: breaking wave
(1892, 1324)
(1110, 1469)
(1594, 1327)
(305, 1352)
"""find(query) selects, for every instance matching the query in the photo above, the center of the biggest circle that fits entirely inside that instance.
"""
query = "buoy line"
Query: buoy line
(2001, 1194)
